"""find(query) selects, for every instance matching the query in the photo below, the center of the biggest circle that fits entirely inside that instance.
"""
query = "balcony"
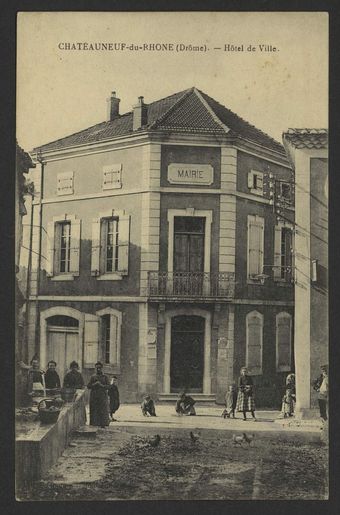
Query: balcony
(191, 286)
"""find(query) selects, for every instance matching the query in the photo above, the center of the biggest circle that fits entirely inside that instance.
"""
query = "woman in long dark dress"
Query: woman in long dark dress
(73, 378)
(245, 398)
(99, 407)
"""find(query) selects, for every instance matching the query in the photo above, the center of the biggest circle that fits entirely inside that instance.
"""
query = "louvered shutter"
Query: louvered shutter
(95, 249)
(91, 340)
(277, 252)
(255, 251)
(123, 244)
(50, 249)
(283, 328)
(75, 247)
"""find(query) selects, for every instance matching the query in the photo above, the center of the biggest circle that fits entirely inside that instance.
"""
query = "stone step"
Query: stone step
(88, 432)
(199, 397)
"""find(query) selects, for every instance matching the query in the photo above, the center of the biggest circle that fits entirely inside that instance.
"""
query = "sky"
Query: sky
(60, 92)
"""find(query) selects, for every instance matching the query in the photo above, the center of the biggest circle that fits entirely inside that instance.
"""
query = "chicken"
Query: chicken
(248, 438)
(154, 441)
(238, 439)
(194, 436)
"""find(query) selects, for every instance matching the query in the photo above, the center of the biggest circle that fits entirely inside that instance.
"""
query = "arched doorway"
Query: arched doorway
(187, 353)
(62, 342)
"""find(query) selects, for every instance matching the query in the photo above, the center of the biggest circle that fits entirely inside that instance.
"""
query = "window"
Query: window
(65, 183)
(254, 339)
(286, 191)
(255, 246)
(63, 247)
(110, 321)
(283, 342)
(110, 245)
(255, 182)
(283, 253)
(112, 177)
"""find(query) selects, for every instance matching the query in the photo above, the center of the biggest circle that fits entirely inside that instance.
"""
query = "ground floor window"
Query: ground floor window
(254, 341)
(283, 341)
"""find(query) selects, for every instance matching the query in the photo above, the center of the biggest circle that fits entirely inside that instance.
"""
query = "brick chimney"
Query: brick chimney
(112, 107)
(140, 114)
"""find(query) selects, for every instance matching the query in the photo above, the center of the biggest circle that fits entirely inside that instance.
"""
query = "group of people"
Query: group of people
(104, 394)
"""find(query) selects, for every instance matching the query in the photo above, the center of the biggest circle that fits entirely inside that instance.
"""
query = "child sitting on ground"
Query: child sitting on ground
(148, 407)
(230, 402)
(185, 405)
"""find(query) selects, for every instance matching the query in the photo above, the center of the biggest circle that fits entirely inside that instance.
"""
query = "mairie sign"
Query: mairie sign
(184, 173)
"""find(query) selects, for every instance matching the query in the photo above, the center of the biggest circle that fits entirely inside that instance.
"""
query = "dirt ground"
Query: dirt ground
(123, 466)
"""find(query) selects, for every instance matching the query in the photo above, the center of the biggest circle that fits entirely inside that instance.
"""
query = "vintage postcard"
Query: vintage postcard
(172, 256)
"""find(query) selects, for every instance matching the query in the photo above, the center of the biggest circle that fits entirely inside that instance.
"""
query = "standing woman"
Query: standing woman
(99, 408)
(245, 398)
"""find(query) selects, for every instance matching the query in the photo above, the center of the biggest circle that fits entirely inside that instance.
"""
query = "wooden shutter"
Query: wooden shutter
(65, 183)
(123, 244)
(95, 249)
(255, 247)
(277, 252)
(75, 247)
(254, 344)
(283, 335)
(112, 176)
(91, 340)
(50, 249)
(113, 339)
(250, 180)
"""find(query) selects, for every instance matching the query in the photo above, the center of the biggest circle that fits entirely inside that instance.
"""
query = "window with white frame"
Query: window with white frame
(110, 331)
(285, 191)
(255, 246)
(283, 269)
(110, 245)
(63, 247)
(283, 342)
(254, 342)
(112, 176)
(255, 182)
(65, 183)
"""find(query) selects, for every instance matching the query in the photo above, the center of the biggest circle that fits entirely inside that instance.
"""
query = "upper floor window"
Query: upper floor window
(283, 253)
(255, 246)
(112, 176)
(63, 247)
(110, 245)
(286, 191)
(65, 183)
(255, 182)
(254, 341)
(63, 231)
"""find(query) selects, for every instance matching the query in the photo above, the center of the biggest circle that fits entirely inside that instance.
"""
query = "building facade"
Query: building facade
(161, 254)
(308, 152)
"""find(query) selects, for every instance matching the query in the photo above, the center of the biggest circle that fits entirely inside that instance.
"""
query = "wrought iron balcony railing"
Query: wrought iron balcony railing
(191, 285)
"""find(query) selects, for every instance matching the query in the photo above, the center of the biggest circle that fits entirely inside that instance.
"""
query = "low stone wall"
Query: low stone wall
(38, 450)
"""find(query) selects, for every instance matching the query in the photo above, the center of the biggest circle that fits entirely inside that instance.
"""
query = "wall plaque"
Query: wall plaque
(194, 174)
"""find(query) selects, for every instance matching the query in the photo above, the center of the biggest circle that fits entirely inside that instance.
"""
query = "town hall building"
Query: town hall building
(158, 250)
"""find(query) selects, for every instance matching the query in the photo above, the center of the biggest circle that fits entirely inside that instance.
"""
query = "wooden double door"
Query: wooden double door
(187, 353)
(63, 347)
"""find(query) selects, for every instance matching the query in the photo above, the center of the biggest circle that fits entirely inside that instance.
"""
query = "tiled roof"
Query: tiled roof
(187, 111)
(307, 138)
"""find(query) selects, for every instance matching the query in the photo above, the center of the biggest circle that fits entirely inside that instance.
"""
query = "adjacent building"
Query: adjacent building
(161, 251)
(308, 152)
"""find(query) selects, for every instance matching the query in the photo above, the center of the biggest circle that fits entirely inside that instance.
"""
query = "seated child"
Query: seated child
(148, 406)
(185, 405)
(230, 402)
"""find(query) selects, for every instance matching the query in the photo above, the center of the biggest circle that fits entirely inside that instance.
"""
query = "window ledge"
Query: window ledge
(110, 277)
(259, 193)
(66, 277)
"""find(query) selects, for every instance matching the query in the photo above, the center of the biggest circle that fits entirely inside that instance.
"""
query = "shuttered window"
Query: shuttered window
(110, 245)
(254, 339)
(63, 246)
(283, 269)
(65, 183)
(255, 182)
(112, 177)
(283, 342)
(255, 246)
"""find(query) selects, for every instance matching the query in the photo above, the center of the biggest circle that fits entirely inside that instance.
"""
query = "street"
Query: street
(120, 463)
